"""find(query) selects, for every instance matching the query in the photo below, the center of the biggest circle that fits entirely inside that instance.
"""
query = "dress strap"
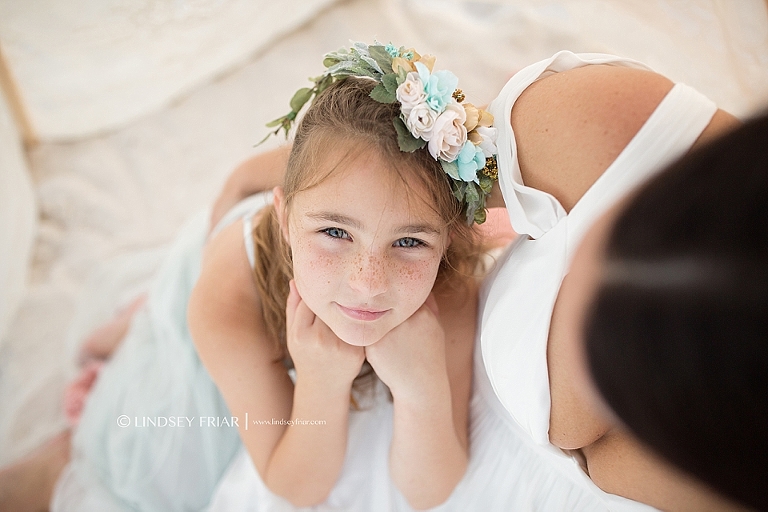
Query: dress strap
(250, 249)
(245, 210)
(531, 211)
(667, 134)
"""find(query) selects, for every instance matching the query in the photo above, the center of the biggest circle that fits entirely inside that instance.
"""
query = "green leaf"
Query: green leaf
(390, 83)
(329, 61)
(472, 195)
(480, 215)
(364, 70)
(323, 83)
(300, 98)
(486, 183)
(276, 122)
(382, 95)
(401, 75)
(459, 189)
(382, 58)
(407, 142)
(451, 169)
(262, 141)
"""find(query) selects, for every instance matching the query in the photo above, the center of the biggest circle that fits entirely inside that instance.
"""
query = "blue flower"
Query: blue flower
(438, 86)
(392, 50)
(471, 159)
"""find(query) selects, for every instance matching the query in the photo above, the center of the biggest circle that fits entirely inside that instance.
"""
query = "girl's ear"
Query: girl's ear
(282, 216)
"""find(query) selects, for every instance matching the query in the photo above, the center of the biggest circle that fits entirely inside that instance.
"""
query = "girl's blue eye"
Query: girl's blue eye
(408, 242)
(336, 233)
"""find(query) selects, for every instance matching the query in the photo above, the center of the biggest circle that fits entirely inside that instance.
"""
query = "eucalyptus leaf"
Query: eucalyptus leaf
(486, 183)
(407, 142)
(472, 195)
(459, 189)
(300, 98)
(382, 57)
(390, 83)
(451, 169)
(382, 95)
(480, 215)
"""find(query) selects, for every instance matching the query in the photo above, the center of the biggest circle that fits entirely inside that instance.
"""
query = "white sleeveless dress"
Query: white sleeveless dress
(512, 465)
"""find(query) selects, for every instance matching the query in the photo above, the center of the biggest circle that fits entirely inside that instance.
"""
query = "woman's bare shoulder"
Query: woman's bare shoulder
(570, 126)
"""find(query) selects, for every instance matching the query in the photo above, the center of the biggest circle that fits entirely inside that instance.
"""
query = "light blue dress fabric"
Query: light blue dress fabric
(154, 434)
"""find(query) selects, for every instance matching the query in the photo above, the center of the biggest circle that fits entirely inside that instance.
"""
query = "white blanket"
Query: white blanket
(109, 204)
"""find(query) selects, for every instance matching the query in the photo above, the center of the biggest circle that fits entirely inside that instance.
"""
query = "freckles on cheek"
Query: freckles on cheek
(419, 275)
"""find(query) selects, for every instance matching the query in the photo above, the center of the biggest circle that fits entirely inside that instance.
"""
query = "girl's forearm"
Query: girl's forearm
(308, 458)
(427, 459)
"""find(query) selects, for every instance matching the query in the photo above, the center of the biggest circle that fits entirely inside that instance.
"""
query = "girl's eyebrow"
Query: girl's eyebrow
(419, 228)
(338, 218)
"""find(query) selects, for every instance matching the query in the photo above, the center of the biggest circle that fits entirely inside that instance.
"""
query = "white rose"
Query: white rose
(410, 93)
(488, 140)
(421, 120)
(448, 133)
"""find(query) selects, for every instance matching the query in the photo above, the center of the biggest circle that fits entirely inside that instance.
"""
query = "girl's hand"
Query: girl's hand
(411, 357)
(318, 354)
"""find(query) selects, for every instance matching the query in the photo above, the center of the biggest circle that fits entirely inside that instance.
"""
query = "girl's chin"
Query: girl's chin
(359, 337)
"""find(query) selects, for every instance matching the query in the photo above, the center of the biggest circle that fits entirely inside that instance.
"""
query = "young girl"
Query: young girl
(364, 230)
(361, 273)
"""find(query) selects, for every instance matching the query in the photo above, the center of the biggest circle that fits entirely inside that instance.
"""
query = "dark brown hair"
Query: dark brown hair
(677, 335)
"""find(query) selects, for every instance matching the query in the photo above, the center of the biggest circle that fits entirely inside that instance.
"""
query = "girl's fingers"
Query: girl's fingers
(296, 310)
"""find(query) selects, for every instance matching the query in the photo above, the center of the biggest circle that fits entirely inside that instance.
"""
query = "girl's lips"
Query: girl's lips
(361, 314)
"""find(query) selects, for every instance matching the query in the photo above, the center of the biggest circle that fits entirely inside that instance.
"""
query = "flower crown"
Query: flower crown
(433, 113)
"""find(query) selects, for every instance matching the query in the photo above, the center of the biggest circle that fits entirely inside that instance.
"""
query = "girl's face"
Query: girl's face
(365, 247)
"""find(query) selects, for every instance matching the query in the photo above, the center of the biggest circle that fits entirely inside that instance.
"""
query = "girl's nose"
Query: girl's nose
(368, 275)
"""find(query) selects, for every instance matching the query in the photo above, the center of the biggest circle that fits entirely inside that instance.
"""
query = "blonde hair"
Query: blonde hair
(346, 112)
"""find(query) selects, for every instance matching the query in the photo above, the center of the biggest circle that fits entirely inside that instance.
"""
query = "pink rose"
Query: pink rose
(448, 133)
(410, 93)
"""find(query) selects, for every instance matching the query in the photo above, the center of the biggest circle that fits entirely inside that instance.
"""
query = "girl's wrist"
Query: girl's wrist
(432, 396)
(319, 387)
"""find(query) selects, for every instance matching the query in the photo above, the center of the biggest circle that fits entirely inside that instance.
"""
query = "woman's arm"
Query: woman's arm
(263, 171)
(300, 462)
(427, 364)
